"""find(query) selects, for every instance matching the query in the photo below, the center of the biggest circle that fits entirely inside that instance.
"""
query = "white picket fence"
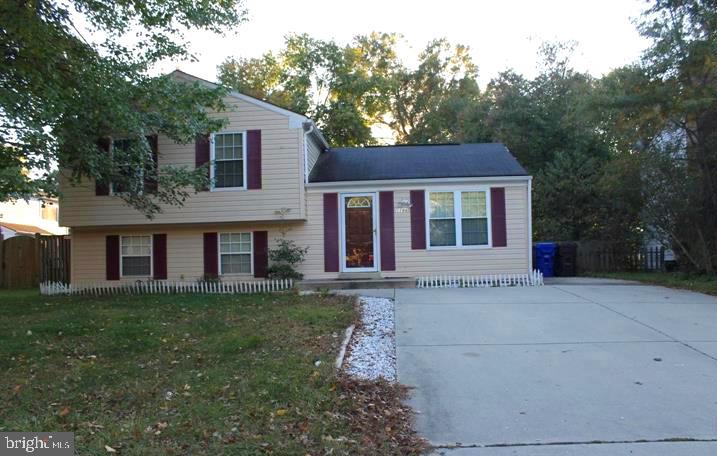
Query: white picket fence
(534, 279)
(164, 287)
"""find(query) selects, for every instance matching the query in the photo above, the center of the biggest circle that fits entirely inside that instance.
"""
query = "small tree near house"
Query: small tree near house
(284, 259)
(286, 256)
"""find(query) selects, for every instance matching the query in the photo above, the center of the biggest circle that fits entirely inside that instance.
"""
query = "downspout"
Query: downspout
(530, 224)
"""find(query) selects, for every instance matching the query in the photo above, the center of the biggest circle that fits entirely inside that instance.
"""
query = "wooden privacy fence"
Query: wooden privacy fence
(164, 287)
(54, 258)
(620, 259)
(26, 261)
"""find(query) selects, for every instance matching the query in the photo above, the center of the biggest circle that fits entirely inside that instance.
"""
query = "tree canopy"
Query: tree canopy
(348, 89)
(69, 77)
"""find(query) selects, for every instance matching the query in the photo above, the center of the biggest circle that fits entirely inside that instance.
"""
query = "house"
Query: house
(30, 217)
(396, 211)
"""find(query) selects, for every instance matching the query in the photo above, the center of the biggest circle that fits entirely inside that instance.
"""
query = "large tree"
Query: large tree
(427, 103)
(666, 105)
(341, 87)
(551, 123)
(348, 89)
(70, 78)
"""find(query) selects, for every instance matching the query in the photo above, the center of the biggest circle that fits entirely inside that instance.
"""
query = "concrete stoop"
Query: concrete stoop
(354, 283)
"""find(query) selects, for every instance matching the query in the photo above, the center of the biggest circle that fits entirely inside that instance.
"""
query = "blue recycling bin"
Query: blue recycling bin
(545, 257)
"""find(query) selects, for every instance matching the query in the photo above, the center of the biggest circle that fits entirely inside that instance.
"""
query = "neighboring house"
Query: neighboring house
(27, 218)
(399, 211)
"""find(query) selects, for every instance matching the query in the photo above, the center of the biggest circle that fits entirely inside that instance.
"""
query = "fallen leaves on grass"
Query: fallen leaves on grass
(375, 410)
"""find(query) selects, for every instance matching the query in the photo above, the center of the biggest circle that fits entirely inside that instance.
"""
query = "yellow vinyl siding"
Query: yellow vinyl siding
(185, 243)
(282, 187)
(185, 248)
(411, 263)
(313, 152)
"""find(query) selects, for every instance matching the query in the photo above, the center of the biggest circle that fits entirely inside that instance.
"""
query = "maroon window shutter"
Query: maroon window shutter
(261, 253)
(388, 250)
(159, 256)
(331, 232)
(211, 255)
(253, 157)
(497, 214)
(103, 188)
(150, 182)
(112, 257)
(201, 152)
(418, 220)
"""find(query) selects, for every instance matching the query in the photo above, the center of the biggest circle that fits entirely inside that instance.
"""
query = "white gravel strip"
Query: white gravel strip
(372, 352)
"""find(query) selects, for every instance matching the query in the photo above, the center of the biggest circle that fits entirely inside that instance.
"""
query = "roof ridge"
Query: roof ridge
(386, 146)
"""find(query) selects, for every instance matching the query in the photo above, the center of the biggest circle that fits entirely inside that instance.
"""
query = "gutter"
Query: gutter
(530, 225)
(420, 181)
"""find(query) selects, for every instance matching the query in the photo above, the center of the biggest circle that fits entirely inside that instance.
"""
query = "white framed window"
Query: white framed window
(458, 219)
(136, 256)
(228, 156)
(134, 174)
(236, 253)
(442, 219)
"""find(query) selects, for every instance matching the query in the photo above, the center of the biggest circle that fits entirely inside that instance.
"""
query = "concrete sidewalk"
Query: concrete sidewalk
(555, 369)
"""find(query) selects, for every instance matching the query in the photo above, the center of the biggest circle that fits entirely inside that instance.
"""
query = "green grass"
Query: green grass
(700, 283)
(179, 374)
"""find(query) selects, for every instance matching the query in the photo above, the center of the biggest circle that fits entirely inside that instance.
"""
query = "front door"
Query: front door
(358, 222)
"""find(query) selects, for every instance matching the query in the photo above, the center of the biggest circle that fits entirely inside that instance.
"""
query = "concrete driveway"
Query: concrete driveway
(561, 370)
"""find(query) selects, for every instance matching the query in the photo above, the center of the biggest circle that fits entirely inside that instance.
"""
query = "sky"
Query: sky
(501, 33)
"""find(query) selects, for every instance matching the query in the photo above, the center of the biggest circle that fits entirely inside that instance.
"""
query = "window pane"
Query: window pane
(136, 245)
(229, 173)
(475, 231)
(443, 232)
(236, 264)
(238, 145)
(136, 266)
(473, 204)
(228, 146)
(441, 204)
(131, 175)
(235, 242)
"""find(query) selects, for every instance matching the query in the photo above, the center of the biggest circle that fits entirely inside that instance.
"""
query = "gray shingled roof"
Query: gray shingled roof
(415, 162)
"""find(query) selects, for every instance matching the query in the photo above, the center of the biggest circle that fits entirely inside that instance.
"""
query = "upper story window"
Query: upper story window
(132, 175)
(235, 250)
(228, 155)
(458, 219)
(48, 211)
(136, 256)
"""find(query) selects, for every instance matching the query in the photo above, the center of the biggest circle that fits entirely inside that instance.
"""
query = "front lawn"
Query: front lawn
(700, 283)
(191, 374)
